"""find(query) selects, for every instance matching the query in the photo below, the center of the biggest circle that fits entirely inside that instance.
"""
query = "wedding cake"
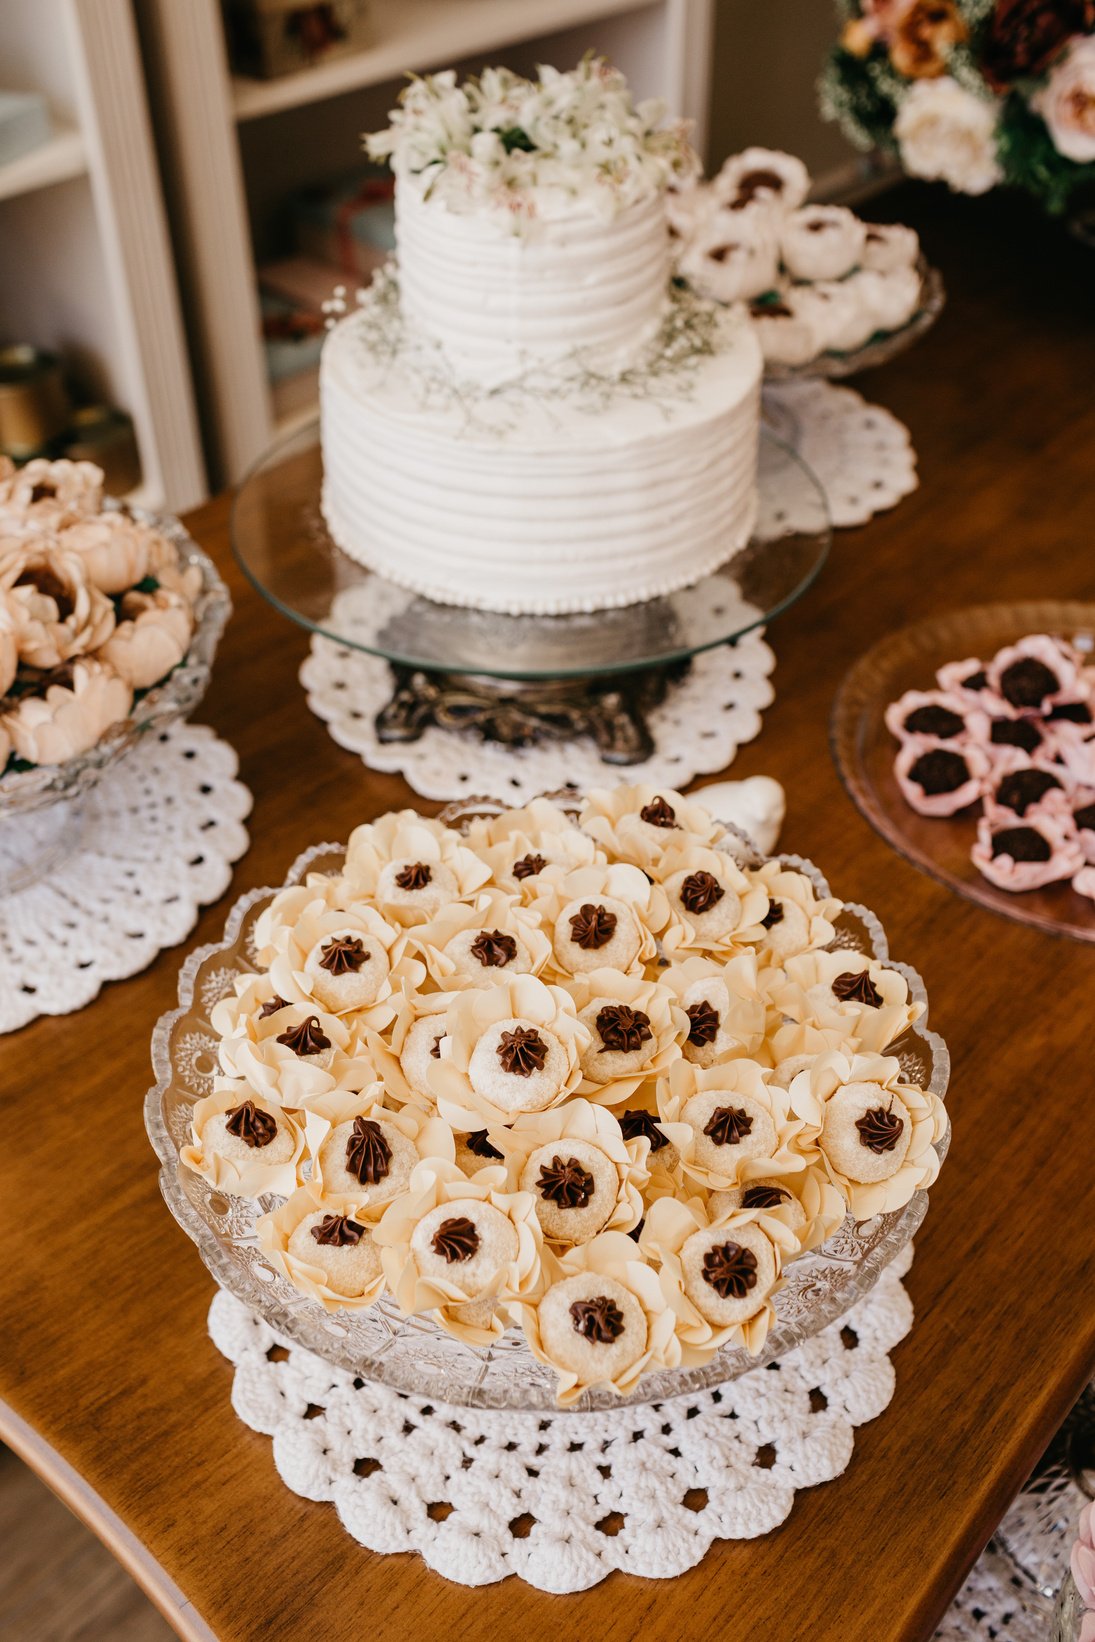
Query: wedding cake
(524, 412)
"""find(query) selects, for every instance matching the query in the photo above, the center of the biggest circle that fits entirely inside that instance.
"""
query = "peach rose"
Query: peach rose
(114, 550)
(58, 613)
(74, 713)
(924, 37)
(151, 639)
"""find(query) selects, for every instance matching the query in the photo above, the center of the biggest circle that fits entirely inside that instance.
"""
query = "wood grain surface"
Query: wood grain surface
(104, 1351)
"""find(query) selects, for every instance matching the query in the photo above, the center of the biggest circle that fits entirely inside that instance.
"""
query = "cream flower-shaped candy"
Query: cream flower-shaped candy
(464, 1250)
(875, 1135)
(151, 638)
(657, 1144)
(319, 891)
(474, 945)
(639, 824)
(351, 963)
(365, 1151)
(844, 990)
(295, 1055)
(798, 918)
(173, 573)
(513, 1047)
(718, 1274)
(113, 547)
(412, 867)
(58, 613)
(740, 1126)
(519, 845)
(253, 998)
(603, 1321)
(808, 1203)
(792, 1046)
(407, 1050)
(242, 1144)
(635, 1030)
(75, 712)
(583, 1176)
(601, 918)
(713, 906)
(723, 1006)
(324, 1251)
(43, 495)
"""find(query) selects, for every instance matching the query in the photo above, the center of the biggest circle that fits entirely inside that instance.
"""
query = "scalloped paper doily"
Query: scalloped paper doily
(697, 729)
(158, 838)
(563, 1500)
(860, 453)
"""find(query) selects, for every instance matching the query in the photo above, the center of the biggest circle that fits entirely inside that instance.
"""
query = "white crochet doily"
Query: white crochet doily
(697, 729)
(562, 1500)
(158, 835)
(861, 454)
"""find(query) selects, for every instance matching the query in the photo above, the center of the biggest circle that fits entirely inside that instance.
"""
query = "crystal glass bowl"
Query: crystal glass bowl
(878, 349)
(46, 784)
(412, 1354)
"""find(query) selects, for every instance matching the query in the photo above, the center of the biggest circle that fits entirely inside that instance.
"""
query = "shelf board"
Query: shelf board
(421, 34)
(62, 157)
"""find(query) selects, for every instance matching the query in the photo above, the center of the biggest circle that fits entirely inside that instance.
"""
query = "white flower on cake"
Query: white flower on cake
(947, 133)
(531, 147)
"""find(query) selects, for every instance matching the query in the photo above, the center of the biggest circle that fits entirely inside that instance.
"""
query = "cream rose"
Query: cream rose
(58, 613)
(151, 639)
(944, 132)
(1067, 102)
(70, 717)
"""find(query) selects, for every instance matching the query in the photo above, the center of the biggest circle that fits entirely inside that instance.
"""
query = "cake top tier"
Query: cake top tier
(562, 144)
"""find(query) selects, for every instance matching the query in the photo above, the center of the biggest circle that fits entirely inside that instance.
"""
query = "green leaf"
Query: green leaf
(514, 138)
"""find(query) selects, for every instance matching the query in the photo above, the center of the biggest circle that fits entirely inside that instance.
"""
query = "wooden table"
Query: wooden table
(112, 1388)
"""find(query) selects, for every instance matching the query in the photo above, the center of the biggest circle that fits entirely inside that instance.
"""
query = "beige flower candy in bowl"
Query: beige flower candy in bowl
(642, 824)
(583, 1175)
(406, 1052)
(472, 945)
(600, 917)
(243, 1144)
(464, 1250)
(635, 1029)
(510, 1048)
(739, 1124)
(713, 907)
(798, 918)
(520, 845)
(718, 1273)
(295, 1054)
(365, 1151)
(352, 963)
(412, 868)
(807, 1201)
(723, 1004)
(323, 1250)
(876, 1134)
(603, 1321)
(848, 992)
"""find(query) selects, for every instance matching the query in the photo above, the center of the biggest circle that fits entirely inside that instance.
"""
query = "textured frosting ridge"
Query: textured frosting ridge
(498, 300)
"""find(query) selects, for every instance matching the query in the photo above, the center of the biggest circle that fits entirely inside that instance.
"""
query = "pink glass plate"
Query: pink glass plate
(864, 750)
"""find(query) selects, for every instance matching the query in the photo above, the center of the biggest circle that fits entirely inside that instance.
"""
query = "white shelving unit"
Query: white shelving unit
(232, 147)
(85, 259)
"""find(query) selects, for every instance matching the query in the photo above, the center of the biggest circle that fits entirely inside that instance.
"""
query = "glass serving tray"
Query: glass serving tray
(412, 1354)
(878, 349)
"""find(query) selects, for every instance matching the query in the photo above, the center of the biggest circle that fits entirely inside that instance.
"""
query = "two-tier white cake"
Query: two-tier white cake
(524, 413)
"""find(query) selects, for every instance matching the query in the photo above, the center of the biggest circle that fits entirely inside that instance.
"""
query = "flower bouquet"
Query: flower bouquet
(971, 92)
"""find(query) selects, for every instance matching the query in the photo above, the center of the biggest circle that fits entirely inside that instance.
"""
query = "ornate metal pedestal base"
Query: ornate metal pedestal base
(521, 712)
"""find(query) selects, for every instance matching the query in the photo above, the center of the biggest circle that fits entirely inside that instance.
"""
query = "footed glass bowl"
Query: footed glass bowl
(40, 808)
(878, 349)
(412, 1354)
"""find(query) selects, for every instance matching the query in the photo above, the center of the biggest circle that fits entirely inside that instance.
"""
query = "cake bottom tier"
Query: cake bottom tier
(558, 508)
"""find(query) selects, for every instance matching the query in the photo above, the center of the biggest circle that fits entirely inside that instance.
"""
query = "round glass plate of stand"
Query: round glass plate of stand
(42, 806)
(864, 750)
(413, 1354)
(519, 679)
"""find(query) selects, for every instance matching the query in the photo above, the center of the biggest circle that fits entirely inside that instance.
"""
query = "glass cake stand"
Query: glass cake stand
(521, 679)
(864, 750)
(413, 1354)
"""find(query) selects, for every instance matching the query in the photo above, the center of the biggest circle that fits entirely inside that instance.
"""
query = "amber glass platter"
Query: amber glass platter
(864, 750)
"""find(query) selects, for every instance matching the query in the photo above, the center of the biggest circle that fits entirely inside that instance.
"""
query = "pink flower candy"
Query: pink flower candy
(1036, 674)
(928, 715)
(1084, 882)
(1006, 737)
(939, 780)
(954, 679)
(1027, 854)
(1074, 746)
(1083, 816)
(1026, 788)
